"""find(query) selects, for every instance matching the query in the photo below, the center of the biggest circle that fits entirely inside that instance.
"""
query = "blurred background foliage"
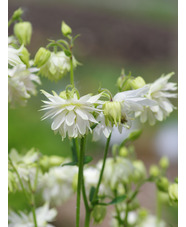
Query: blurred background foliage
(139, 36)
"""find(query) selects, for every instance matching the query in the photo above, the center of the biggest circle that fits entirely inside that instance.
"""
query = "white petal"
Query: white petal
(58, 120)
(70, 117)
(82, 113)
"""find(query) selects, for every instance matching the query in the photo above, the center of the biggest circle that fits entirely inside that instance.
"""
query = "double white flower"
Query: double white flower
(159, 91)
(21, 84)
(43, 216)
(73, 115)
(13, 53)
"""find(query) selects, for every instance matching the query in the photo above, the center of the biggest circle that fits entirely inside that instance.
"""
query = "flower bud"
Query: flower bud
(65, 29)
(138, 82)
(142, 213)
(154, 171)
(17, 14)
(25, 56)
(112, 112)
(123, 152)
(164, 163)
(162, 184)
(123, 83)
(23, 31)
(99, 213)
(49, 161)
(173, 192)
(41, 57)
(139, 171)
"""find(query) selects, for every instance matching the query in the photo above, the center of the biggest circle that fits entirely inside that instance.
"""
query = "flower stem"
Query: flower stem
(71, 72)
(80, 177)
(102, 169)
(34, 211)
(158, 207)
(87, 208)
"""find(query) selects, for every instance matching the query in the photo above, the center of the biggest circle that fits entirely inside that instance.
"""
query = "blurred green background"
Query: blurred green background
(139, 36)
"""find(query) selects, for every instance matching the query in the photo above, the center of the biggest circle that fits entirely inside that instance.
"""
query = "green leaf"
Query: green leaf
(67, 53)
(70, 164)
(133, 136)
(91, 194)
(87, 159)
(116, 200)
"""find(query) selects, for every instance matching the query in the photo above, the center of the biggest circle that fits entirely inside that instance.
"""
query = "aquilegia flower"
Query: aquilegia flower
(13, 55)
(43, 216)
(21, 84)
(57, 66)
(121, 110)
(71, 115)
(159, 91)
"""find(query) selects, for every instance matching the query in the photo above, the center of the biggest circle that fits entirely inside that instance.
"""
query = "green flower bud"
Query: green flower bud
(17, 14)
(162, 184)
(173, 192)
(99, 213)
(25, 56)
(23, 31)
(41, 57)
(164, 163)
(123, 152)
(139, 171)
(138, 82)
(154, 171)
(63, 95)
(65, 29)
(163, 197)
(112, 112)
(123, 83)
(142, 213)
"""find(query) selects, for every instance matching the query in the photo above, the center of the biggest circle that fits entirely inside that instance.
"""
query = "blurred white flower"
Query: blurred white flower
(159, 91)
(57, 184)
(152, 221)
(13, 53)
(72, 115)
(43, 216)
(21, 84)
(117, 171)
(25, 166)
(57, 66)
(132, 218)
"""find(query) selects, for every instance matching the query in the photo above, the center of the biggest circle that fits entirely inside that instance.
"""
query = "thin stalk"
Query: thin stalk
(34, 211)
(87, 208)
(158, 208)
(80, 177)
(102, 169)
(87, 219)
(71, 72)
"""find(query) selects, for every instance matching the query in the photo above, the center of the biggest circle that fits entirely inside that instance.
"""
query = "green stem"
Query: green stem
(87, 219)
(34, 210)
(80, 177)
(10, 22)
(71, 72)
(102, 169)
(87, 208)
(158, 207)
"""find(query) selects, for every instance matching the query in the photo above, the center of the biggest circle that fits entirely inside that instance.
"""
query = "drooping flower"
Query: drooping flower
(121, 111)
(57, 184)
(13, 53)
(159, 91)
(44, 215)
(21, 84)
(57, 66)
(71, 115)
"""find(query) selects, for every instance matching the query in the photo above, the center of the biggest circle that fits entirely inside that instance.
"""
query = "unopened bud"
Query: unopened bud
(154, 171)
(164, 163)
(112, 112)
(65, 29)
(99, 213)
(25, 56)
(163, 184)
(17, 14)
(139, 171)
(23, 31)
(173, 192)
(123, 152)
(41, 57)
(138, 82)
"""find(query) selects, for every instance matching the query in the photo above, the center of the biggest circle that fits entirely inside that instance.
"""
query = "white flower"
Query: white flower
(21, 84)
(101, 128)
(57, 184)
(132, 218)
(152, 221)
(57, 66)
(43, 216)
(25, 166)
(72, 115)
(160, 91)
(117, 171)
(13, 53)
(130, 101)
